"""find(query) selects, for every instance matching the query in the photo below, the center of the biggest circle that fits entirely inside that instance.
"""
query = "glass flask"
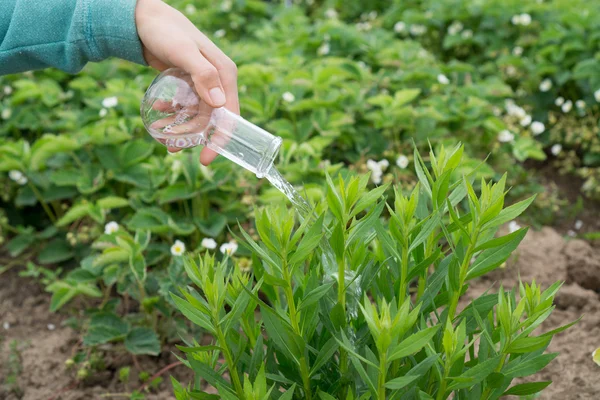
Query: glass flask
(177, 117)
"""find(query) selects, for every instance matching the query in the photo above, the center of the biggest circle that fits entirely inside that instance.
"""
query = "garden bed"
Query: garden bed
(544, 256)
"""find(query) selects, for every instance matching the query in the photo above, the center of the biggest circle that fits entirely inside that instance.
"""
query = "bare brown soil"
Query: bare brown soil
(545, 256)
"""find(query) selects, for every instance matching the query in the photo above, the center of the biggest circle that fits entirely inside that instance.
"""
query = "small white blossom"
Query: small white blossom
(7, 90)
(525, 19)
(578, 224)
(516, 20)
(323, 50)
(418, 30)
(178, 248)
(220, 33)
(402, 161)
(399, 27)
(103, 112)
(505, 136)
(455, 28)
(580, 104)
(571, 233)
(51, 327)
(511, 70)
(229, 248)
(363, 26)
(497, 112)
(384, 164)
(514, 110)
(362, 64)
(517, 51)
(288, 97)
(556, 149)
(559, 101)
(537, 128)
(6, 113)
(6, 326)
(111, 227)
(190, 9)
(545, 85)
(513, 226)
(208, 243)
(597, 95)
(443, 79)
(372, 15)
(525, 121)
(331, 13)
(567, 106)
(226, 5)
(110, 102)
(377, 168)
(467, 34)
(18, 177)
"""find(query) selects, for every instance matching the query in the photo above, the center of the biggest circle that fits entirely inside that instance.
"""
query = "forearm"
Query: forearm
(66, 34)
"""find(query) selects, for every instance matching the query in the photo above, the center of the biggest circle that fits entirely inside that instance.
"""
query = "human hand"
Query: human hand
(171, 40)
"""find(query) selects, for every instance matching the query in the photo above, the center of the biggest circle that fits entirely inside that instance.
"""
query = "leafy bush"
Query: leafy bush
(381, 321)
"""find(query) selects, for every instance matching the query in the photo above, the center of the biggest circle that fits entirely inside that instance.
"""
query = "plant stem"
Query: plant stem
(402, 295)
(38, 196)
(229, 360)
(342, 302)
(462, 277)
(382, 375)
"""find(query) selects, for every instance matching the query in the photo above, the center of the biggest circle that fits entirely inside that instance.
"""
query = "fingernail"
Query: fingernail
(217, 96)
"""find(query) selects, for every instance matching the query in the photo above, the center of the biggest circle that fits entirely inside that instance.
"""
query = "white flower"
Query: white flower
(220, 33)
(556, 149)
(363, 26)
(190, 9)
(467, 34)
(517, 51)
(580, 104)
(208, 243)
(384, 164)
(6, 326)
(111, 227)
(443, 79)
(229, 248)
(597, 95)
(505, 136)
(103, 112)
(402, 161)
(110, 102)
(578, 224)
(514, 110)
(288, 97)
(455, 28)
(511, 70)
(571, 233)
(323, 50)
(545, 85)
(7, 90)
(525, 19)
(516, 20)
(568, 106)
(331, 13)
(418, 30)
(226, 5)
(372, 15)
(18, 177)
(559, 101)
(513, 226)
(6, 113)
(178, 248)
(537, 128)
(399, 27)
(51, 327)
(362, 64)
(526, 120)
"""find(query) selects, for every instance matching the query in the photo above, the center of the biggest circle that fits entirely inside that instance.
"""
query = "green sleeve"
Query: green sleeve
(66, 34)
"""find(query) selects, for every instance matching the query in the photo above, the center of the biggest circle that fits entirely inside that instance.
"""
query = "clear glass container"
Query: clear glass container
(176, 116)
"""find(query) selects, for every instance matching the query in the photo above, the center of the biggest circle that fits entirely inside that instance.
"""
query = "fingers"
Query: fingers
(205, 75)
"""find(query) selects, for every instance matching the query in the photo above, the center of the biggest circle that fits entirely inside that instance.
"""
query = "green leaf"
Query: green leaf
(62, 293)
(405, 96)
(193, 314)
(325, 354)
(526, 389)
(476, 374)
(20, 243)
(413, 343)
(213, 225)
(75, 213)
(105, 327)
(529, 367)
(528, 344)
(425, 231)
(325, 396)
(315, 295)
(176, 192)
(509, 213)
(281, 334)
(491, 258)
(56, 251)
(112, 202)
(289, 394)
(142, 341)
(401, 382)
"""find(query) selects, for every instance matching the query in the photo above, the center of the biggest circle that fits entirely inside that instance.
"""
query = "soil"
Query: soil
(544, 255)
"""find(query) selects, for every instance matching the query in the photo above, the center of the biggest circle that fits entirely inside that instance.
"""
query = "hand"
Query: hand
(171, 40)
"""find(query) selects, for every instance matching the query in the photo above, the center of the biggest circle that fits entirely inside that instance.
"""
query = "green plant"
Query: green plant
(384, 322)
